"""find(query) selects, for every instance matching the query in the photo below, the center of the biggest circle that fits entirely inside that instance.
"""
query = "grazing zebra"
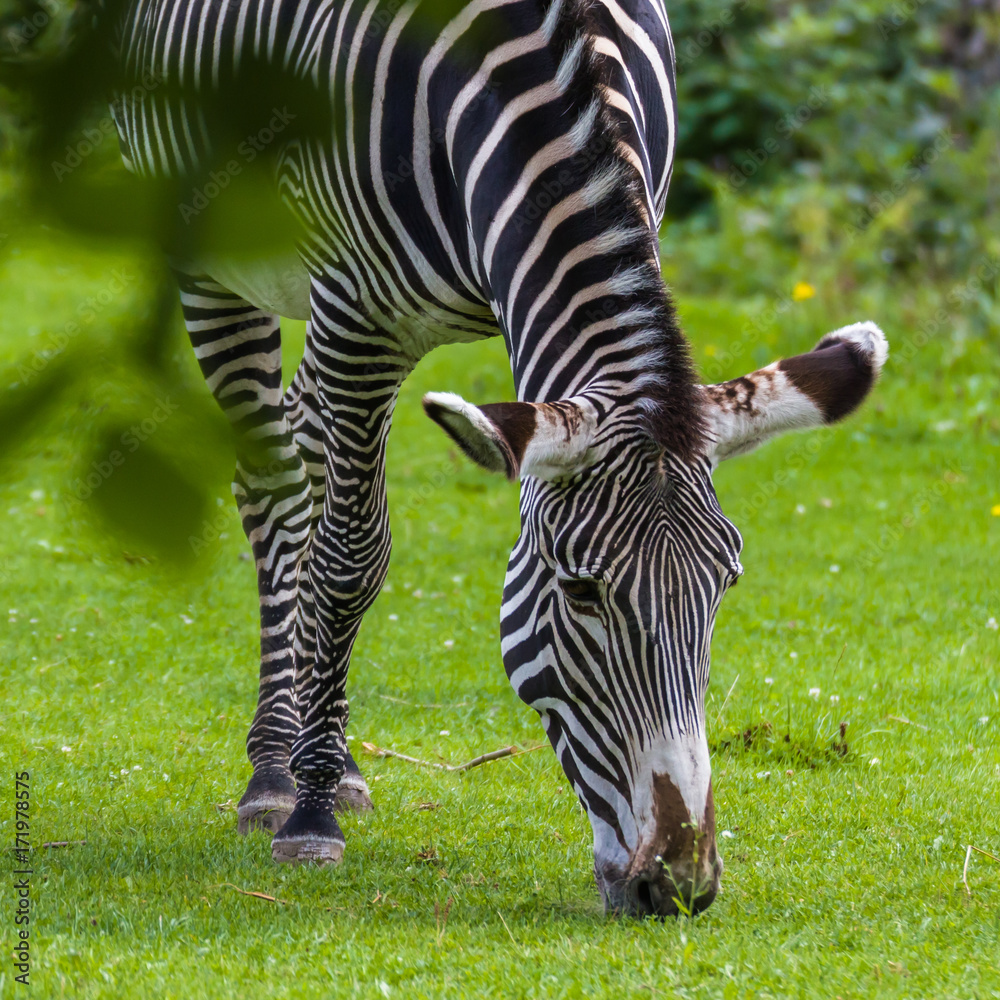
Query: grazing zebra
(458, 170)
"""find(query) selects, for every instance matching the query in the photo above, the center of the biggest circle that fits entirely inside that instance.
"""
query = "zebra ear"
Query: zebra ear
(808, 390)
(547, 440)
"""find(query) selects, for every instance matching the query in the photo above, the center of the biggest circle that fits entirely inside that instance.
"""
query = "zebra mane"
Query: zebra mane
(665, 376)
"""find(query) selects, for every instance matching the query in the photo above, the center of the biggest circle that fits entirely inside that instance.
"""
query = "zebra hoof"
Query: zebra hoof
(262, 816)
(304, 852)
(352, 794)
(267, 803)
(312, 834)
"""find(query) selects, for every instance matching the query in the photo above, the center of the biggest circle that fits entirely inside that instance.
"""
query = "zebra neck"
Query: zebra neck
(600, 323)
(597, 320)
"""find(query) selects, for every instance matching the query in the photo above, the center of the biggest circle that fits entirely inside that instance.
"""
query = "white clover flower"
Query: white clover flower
(813, 692)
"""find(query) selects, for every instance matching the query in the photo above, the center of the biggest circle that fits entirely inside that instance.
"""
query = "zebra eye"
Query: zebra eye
(581, 591)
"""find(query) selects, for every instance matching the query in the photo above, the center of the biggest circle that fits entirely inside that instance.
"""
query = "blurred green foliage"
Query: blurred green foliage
(865, 133)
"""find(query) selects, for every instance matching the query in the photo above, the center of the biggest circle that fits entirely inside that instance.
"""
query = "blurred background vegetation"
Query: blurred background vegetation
(843, 152)
(857, 140)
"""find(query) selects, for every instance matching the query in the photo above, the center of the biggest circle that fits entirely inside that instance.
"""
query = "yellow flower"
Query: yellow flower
(995, 510)
(802, 291)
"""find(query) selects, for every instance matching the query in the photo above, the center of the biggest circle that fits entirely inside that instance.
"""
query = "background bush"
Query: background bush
(862, 133)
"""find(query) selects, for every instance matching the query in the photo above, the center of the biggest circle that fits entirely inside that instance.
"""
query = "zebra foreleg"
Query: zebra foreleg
(239, 350)
(342, 574)
(303, 409)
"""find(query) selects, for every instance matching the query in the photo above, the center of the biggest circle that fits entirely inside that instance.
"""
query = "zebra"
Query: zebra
(456, 171)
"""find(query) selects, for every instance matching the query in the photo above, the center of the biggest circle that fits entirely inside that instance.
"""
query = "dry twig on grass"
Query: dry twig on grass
(63, 843)
(244, 892)
(485, 758)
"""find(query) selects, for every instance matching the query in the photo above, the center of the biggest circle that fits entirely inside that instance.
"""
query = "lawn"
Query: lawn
(869, 602)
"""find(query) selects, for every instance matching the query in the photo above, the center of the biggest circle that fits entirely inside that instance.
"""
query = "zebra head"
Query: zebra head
(612, 590)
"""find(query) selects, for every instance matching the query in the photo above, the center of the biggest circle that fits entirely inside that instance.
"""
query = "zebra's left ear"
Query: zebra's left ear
(808, 390)
(547, 440)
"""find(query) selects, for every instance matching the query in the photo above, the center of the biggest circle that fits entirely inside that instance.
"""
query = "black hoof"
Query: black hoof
(267, 803)
(352, 792)
(312, 833)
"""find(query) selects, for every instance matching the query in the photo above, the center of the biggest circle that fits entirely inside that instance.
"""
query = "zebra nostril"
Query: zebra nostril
(645, 896)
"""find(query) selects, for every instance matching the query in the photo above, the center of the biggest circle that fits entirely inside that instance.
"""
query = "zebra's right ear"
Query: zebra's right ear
(547, 440)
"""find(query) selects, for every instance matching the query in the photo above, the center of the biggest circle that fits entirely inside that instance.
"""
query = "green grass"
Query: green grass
(129, 687)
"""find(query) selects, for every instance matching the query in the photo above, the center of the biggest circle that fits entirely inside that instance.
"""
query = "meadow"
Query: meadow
(853, 713)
